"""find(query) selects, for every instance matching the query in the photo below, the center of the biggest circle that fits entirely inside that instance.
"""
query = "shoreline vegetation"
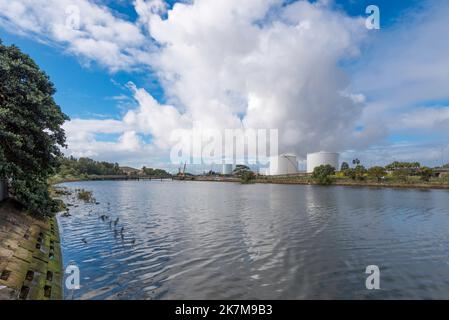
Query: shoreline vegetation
(394, 175)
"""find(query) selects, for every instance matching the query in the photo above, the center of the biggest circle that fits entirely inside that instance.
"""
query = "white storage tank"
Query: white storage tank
(283, 164)
(227, 169)
(322, 158)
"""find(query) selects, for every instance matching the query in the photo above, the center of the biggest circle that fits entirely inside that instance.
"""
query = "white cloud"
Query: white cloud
(256, 63)
(279, 68)
(226, 63)
(100, 36)
(426, 119)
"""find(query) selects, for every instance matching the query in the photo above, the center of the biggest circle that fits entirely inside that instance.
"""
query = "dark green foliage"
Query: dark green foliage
(240, 170)
(85, 166)
(425, 173)
(377, 172)
(248, 177)
(401, 174)
(322, 174)
(344, 166)
(30, 130)
(358, 173)
(155, 172)
(402, 165)
(244, 173)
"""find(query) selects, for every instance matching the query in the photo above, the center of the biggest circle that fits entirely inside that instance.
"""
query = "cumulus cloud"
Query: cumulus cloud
(88, 30)
(434, 119)
(262, 65)
(248, 64)
(226, 64)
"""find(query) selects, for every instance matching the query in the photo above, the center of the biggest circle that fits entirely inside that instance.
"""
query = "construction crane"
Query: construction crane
(182, 174)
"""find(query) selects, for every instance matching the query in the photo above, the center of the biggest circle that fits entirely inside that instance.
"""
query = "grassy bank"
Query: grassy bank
(30, 255)
(410, 182)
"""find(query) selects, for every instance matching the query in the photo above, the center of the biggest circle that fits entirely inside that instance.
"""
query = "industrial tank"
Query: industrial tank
(227, 169)
(322, 158)
(283, 164)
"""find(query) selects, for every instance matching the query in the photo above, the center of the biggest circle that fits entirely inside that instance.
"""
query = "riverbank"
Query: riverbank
(307, 180)
(304, 180)
(30, 255)
(58, 179)
(293, 179)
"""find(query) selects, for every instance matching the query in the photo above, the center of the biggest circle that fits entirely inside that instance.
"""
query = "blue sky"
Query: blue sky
(89, 90)
(392, 118)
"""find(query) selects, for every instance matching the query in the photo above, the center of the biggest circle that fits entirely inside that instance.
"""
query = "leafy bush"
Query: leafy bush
(72, 167)
(344, 166)
(425, 173)
(85, 195)
(155, 172)
(248, 177)
(377, 172)
(321, 174)
(401, 174)
(31, 131)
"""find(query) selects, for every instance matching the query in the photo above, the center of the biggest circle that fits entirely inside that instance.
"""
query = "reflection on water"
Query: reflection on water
(202, 240)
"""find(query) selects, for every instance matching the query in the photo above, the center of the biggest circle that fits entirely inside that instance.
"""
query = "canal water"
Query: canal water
(210, 240)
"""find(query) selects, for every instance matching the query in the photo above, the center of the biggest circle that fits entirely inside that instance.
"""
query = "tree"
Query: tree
(240, 170)
(322, 174)
(360, 172)
(155, 172)
(377, 172)
(85, 166)
(403, 165)
(248, 176)
(401, 174)
(344, 166)
(356, 162)
(425, 173)
(357, 173)
(31, 131)
(350, 172)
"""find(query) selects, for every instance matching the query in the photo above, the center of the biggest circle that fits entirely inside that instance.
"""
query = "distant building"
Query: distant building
(283, 164)
(322, 158)
(440, 172)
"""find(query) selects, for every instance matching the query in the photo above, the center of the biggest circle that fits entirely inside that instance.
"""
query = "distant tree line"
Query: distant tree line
(155, 172)
(70, 166)
(396, 171)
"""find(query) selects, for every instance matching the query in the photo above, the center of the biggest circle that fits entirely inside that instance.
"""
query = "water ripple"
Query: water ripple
(200, 240)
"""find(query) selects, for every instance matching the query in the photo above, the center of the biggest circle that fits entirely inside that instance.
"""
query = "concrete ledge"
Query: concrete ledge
(30, 256)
